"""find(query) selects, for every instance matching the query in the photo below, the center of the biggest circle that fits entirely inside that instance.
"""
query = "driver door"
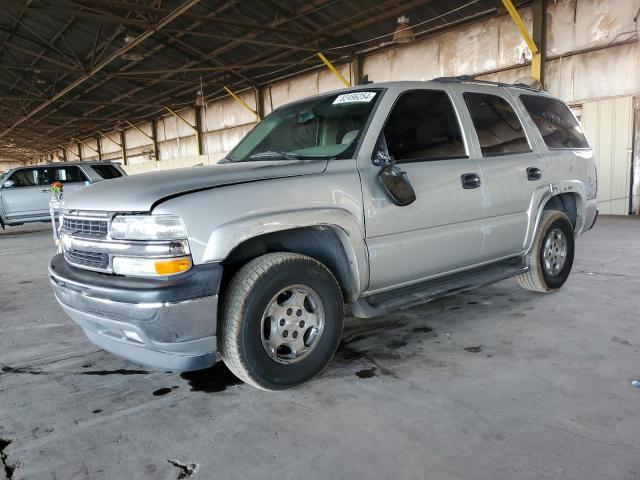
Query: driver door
(441, 231)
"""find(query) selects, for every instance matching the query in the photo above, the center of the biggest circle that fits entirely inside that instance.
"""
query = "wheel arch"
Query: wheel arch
(329, 244)
(568, 200)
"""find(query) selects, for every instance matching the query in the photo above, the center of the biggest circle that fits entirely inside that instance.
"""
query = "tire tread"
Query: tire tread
(233, 309)
(533, 279)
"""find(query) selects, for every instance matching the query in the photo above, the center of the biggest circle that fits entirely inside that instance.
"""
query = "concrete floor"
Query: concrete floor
(499, 383)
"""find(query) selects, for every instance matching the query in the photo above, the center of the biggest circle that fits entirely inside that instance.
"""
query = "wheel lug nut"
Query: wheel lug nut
(299, 313)
(282, 322)
(295, 334)
(301, 324)
(285, 334)
(289, 311)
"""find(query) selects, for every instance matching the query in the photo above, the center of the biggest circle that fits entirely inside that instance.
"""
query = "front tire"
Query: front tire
(551, 256)
(282, 316)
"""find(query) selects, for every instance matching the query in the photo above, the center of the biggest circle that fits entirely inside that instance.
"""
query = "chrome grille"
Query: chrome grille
(93, 260)
(85, 227)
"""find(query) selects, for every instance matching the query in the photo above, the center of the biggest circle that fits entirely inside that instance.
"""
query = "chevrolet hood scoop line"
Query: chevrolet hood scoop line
(143, 192)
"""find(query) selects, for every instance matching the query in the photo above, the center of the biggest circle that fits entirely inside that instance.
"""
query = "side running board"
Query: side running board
(430, 290)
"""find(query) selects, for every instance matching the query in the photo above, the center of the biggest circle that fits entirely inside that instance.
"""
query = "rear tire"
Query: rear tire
(551, 256)
(282, 316)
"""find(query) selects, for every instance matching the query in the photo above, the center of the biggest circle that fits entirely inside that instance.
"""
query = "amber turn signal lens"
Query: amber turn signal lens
(171, 267)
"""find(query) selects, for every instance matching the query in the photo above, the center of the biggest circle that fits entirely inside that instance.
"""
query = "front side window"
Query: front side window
(497, 125)
(27, 177)
(423, 126)
(321, 128)
(558, 127)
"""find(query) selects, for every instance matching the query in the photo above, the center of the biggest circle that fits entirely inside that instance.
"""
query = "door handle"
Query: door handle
(534, 173)
(46, 190)
(470, 180)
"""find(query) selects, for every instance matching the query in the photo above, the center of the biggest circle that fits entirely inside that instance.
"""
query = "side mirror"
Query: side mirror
(9, 184)
(396, 184)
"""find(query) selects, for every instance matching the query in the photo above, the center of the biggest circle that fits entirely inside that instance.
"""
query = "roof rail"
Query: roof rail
(471, 79)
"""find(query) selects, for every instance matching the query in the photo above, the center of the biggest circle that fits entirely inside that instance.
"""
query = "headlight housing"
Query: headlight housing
(147, 227)
(166, 254)
(150, 267)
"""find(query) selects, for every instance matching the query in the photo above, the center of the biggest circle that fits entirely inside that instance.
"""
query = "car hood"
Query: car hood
(140, 193)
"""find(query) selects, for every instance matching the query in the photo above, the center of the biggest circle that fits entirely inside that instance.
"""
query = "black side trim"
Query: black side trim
(594, 220)
(201, 281)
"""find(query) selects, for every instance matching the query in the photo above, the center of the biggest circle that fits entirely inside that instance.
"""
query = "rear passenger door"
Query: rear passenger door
(511, 166)
(71, 177)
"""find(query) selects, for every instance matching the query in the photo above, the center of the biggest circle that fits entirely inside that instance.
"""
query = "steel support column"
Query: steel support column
(154, 135)
(199, 139)
(123, 147)
(536, 61)
(99, 146)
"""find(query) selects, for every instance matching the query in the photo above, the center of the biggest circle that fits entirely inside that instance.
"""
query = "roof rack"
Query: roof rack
(471, 79)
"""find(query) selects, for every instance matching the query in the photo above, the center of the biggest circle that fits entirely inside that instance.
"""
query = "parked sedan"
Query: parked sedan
(25, 191)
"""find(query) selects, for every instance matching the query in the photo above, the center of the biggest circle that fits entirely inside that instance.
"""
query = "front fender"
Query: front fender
(228, 236)
(218, 220)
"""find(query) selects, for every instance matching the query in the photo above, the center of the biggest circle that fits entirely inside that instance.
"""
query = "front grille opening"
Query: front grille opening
(82, 258)
(85, 227)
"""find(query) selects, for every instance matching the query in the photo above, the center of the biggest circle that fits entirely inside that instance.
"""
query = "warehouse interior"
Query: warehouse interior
(74, 89)
(494, 383)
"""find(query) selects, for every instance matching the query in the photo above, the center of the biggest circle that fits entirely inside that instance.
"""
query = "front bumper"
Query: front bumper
(168, 324)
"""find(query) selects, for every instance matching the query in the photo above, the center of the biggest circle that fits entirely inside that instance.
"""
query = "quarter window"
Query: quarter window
(107, 171)
(497, 125)
(423, 126)
(558, 127)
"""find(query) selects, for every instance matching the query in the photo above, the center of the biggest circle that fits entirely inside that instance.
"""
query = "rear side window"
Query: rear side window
(69, 174)
(558, 127)
(107, 171)
(423, 126)
(497, 125)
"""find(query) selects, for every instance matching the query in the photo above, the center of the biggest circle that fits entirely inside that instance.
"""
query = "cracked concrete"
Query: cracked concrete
(498, 383)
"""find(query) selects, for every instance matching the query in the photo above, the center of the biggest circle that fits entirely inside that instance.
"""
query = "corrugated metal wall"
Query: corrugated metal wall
(609, 126)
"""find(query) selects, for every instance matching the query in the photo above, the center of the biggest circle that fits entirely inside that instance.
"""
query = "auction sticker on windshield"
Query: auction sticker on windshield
(354, 97)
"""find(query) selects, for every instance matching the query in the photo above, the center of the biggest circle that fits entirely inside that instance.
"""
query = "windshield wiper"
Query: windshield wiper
(274, 154)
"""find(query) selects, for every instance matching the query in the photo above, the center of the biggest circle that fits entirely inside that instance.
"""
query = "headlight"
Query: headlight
(150, 267)
(147, 227)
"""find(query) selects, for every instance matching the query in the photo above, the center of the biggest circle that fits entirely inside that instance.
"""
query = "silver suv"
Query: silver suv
(25, 191)
(382, 196)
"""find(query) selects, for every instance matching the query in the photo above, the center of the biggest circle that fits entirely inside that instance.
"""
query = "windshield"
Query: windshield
(321, 128)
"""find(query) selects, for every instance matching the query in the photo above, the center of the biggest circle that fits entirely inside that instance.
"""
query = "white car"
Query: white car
(25, 191)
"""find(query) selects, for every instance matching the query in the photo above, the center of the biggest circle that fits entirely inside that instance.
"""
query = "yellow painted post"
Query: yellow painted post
(242, 102)
(109, 138)
(331, 67)
(536, 61)
(138, 129)
(177, 115)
